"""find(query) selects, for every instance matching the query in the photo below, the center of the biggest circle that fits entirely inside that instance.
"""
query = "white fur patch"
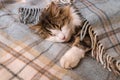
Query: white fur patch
(72, 57)
(75, 17)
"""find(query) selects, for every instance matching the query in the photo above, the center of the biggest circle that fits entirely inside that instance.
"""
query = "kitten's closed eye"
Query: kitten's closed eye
(53, 34)
(62, 35)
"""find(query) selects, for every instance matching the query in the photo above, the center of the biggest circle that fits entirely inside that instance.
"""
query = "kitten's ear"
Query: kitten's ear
(53, 6)
(67, 10)
(53, 9)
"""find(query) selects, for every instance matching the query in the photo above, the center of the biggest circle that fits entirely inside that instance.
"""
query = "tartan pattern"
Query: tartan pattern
(22, 62)
(107, 49)
(28, 57)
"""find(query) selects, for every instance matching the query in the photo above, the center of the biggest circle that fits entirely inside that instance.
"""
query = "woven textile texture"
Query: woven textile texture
(25, 56)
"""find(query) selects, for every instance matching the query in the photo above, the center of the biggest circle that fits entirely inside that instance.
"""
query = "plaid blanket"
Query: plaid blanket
(25, 56)
(105, 37)
(19, 60)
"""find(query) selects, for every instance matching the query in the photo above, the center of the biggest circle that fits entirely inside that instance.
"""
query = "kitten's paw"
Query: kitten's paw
(72, 58)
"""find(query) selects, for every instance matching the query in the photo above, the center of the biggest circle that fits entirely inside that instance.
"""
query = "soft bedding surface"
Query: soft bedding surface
(25, 56)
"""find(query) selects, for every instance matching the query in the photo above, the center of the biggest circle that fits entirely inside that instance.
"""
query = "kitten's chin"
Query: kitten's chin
(62, 40)
(52, 39)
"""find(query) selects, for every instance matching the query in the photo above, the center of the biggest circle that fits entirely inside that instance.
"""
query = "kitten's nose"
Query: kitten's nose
(63, 38)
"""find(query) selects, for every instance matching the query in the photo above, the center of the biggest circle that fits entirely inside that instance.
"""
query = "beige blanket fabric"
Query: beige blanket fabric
(25, 56)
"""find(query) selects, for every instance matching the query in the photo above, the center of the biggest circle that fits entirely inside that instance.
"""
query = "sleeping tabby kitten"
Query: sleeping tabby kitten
(62, 23)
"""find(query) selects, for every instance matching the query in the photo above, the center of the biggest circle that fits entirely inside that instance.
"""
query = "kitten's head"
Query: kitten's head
(57, 23)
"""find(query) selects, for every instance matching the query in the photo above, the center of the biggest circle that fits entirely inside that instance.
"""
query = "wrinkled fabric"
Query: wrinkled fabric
(25, 56)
